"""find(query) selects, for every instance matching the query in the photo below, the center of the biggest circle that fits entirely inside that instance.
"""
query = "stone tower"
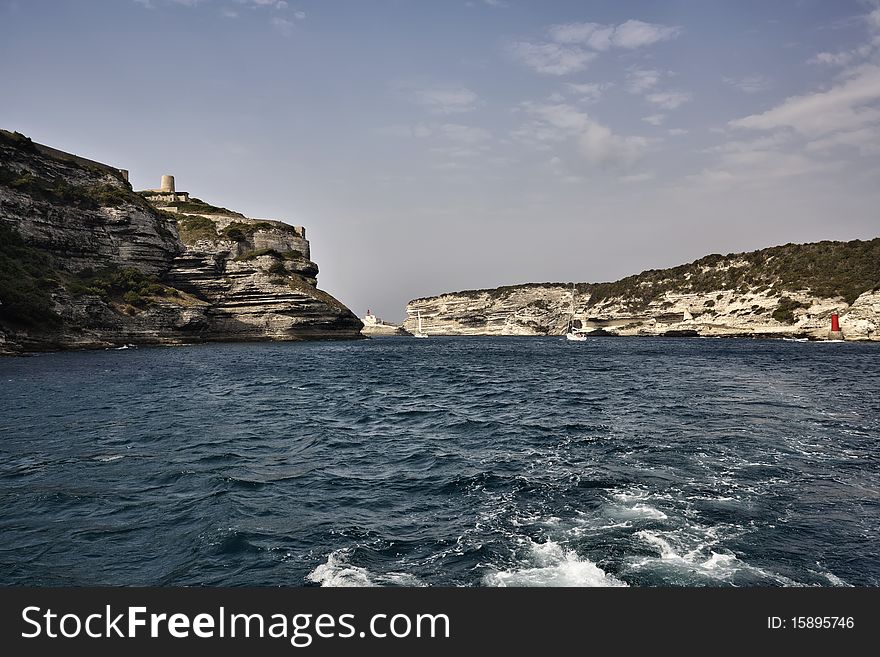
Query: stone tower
(167, 184)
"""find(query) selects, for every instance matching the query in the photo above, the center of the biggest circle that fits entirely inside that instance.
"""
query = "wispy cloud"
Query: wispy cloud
(629, 35)
(572, 46)
(845, 106)
(803, 134)
(275, 4)
(552, 58)
(286, 25)
(871, 22)
(751, 84)
(446, 99)
(654, 119)
(587, 91)
(638, 80)
(278, 5)
(669, 100)
(596, 143)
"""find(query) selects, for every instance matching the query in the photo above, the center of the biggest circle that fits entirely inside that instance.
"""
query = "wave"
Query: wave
(549, 564)
(338, 572)
(702, 562)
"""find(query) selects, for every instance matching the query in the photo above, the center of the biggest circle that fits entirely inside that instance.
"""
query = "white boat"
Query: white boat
(420, 334)
(572, 333)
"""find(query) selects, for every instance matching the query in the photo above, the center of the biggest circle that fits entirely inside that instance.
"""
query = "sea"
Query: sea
(496, 461)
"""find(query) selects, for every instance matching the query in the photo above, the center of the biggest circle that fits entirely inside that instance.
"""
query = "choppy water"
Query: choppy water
(494, 461)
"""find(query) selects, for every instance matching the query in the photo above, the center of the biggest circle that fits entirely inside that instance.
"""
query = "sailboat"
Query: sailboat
(572, 333)
(420, 334)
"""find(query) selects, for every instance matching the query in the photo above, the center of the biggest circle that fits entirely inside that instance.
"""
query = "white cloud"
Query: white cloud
(844, 106)
(669, 100)
(865, 140)
(761, 167)
(629, 35)
(862, 52)
(446, 99)
(552, 58)
(278, 5)
(638, 81)
(495, 3)
(676, 132)
(602, 148)
(593, 35)
(283, 25)
(635, 34)
(274, 4)
(597, 144)
(832, 58)
(573, 45)
(590, 91)
(750, 84)
(750, 145)
(761, 162)
(654, 119)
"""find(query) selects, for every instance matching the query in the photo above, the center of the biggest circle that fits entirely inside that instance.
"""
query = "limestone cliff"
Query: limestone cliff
(87, 262)
(786, 291)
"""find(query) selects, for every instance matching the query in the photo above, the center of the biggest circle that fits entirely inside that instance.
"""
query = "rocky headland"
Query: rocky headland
(374, 327)
(86, 262)
(787, 291)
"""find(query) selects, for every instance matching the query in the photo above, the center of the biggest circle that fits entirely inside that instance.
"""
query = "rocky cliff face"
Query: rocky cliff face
(87, 262)
(786, 291)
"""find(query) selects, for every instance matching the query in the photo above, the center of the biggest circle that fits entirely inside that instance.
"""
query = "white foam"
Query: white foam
(641, 511)
(337, 572)
(831, 577)
(717, 565)
(549, 564)
(106, 459)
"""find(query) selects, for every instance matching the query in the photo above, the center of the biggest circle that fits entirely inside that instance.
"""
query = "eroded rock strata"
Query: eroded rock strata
(87, 262)
(787, 291)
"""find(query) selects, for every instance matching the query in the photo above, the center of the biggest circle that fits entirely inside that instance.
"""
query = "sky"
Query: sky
(431, 146)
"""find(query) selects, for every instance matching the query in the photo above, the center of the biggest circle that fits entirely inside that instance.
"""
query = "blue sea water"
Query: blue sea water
(447, 461)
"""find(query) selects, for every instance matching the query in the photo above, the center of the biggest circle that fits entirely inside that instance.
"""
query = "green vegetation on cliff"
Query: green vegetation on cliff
(192, 229)
(128, 285)
(26, 280)
(784, 311)
(825, 269)
(59, 192)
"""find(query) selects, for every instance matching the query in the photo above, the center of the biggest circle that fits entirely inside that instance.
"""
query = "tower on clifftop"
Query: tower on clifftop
(167, 184)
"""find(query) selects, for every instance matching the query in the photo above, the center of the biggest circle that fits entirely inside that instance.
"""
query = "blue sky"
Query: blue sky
(433, 146)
